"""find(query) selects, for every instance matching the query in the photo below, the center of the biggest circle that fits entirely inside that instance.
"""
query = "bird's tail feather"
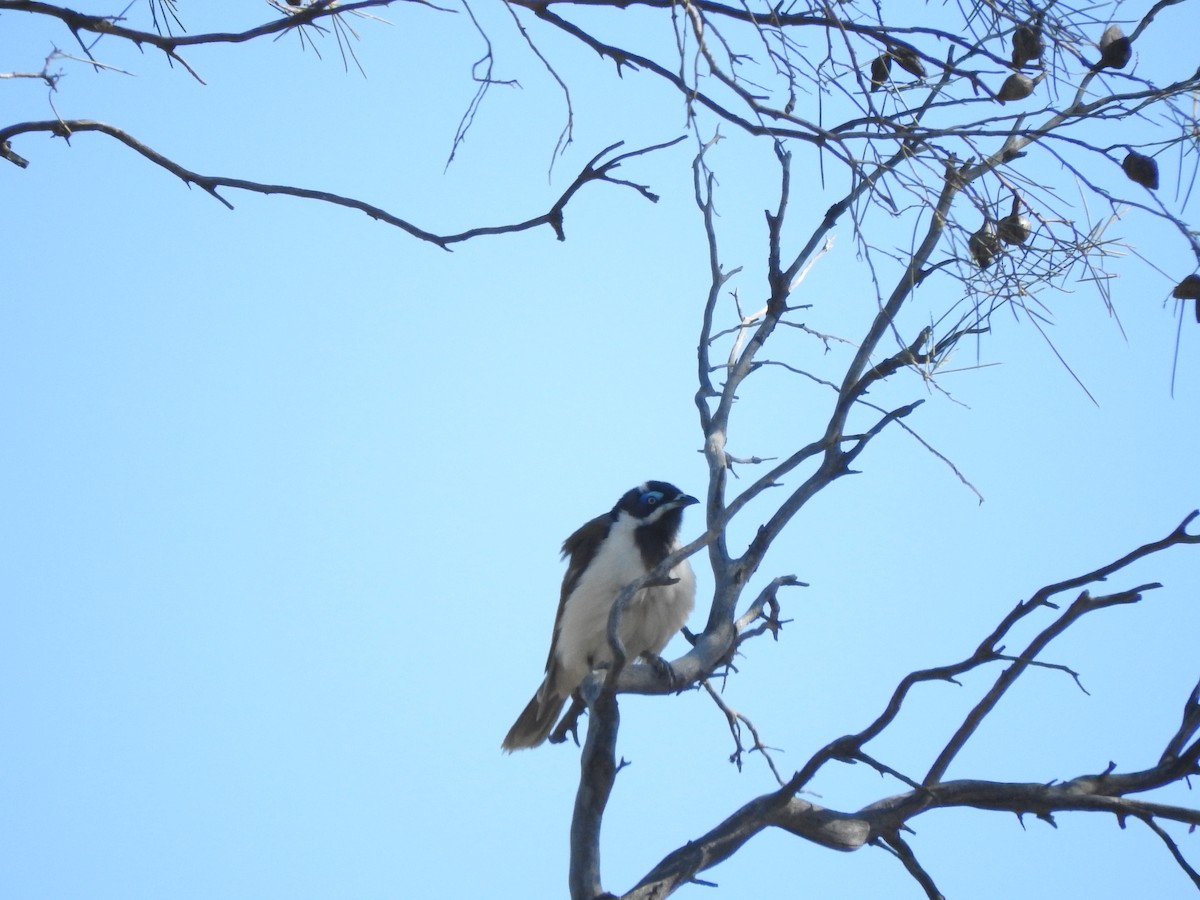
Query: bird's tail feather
(536, 722)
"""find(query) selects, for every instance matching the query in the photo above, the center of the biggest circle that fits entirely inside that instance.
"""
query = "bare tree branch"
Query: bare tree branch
(109, 26)
(924, 127)
(883, 820)
(597, 169)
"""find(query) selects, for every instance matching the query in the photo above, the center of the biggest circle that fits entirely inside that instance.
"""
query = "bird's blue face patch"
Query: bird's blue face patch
(647, 502)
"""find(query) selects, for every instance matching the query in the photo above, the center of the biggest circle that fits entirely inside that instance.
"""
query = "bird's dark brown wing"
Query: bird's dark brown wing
(580, 549)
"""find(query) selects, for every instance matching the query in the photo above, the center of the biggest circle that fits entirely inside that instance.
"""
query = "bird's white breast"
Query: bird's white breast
(648, 623)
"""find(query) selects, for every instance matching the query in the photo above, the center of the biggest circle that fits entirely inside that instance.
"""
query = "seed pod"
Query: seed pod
(1014, 229)
(1141, 169)
(1027, 45)
(1015, 87)
(908, 60)
(880, 67)
(984, 246)
(1115, 49)
(1188, 289)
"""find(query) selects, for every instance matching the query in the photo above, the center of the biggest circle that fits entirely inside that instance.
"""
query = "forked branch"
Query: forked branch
(599, 168)
(883, 820)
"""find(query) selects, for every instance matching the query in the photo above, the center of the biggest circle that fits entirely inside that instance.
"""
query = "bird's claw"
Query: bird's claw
(664, 669)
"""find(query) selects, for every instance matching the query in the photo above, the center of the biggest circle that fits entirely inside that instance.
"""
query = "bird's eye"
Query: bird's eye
(651, 498)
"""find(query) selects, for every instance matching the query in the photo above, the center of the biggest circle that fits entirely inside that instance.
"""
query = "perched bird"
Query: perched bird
(605, 555)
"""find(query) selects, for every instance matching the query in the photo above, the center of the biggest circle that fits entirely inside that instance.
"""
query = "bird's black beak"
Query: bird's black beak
(685, 500)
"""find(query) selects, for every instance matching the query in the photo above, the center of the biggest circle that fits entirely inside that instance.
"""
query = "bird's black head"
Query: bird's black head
(653, 500)
(658, 508)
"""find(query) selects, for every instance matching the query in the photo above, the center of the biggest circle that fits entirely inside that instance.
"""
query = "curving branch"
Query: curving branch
(1083, 605)
(882, 821)
(110, 26)
(295, 16)
(598, 169)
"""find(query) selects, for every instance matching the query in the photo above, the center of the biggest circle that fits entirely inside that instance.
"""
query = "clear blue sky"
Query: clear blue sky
(282, 489)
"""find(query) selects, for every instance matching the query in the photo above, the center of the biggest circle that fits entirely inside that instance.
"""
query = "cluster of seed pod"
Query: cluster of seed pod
(905, 57)
(1014, 230)
(1115, 53)
(1027, 47)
